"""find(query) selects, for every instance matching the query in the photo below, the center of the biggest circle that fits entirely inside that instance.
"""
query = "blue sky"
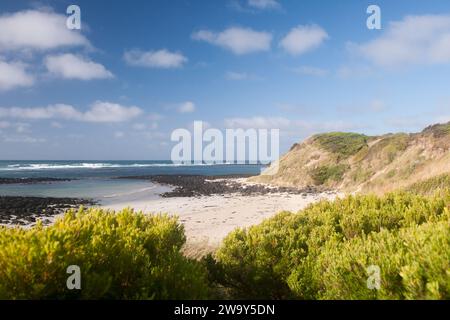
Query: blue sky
(139, 69)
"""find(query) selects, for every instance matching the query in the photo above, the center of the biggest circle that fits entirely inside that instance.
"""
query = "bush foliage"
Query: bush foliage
(123, 255)
(345, 144)
(323, 174)
(323, 252)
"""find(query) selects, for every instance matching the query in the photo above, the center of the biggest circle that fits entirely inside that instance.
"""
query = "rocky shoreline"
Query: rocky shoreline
(17, 210)
(30, 180)
(26, 210)
(197, 185)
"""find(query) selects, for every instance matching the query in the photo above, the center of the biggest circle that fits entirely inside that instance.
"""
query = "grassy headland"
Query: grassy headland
(352, 162)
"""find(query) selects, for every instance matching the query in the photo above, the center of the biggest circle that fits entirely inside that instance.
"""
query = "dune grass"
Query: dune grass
(431, 186)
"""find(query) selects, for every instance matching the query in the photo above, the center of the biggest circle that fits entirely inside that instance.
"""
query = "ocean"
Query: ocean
(96, 179)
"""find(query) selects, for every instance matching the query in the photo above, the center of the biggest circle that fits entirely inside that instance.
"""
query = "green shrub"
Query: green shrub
(345, 144)
(123, 255)
(438, 130)
(324, 250)
(323, 174)
(414, 263)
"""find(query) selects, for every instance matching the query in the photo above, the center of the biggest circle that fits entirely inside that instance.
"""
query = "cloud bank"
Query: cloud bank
(414, 40)
(99, 111)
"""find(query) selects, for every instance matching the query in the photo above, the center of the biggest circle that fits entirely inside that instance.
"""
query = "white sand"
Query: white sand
(210, 218)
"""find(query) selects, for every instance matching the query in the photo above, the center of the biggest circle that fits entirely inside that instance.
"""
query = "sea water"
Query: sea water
(97, 179)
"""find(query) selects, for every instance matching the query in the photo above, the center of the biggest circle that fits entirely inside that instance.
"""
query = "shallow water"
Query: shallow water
(94, 188)
(95, 179)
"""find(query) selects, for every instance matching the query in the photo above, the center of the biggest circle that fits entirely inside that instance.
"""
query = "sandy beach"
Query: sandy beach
(209, 207)
(208, 219)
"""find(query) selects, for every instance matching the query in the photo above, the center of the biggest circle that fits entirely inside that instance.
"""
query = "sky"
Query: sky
(137, 70)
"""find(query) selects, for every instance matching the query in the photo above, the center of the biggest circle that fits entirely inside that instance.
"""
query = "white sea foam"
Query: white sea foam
(87, 165)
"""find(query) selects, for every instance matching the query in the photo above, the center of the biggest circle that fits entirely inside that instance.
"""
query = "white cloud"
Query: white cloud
(70, 66)
(37, 30)
(311, 71)
(24, 139)
(119, 134)
(155, 59)
(240, 76)
(421, 39)
(19, 127)
(110, 112)
(263, 4)
(230, 75)
(186, 107)
(302, 39)
(61, 111)
(238, 40)
(99, 112)
(152, 124)
(13, 75)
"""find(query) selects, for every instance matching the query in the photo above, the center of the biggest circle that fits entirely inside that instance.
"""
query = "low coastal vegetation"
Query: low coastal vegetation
(124, 255)
(321, 252)
(323, 174)
(345, 144)
(324, 251)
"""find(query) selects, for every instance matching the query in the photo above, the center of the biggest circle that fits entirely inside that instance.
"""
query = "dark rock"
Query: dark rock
(30, 180)
(25, 210)
(196, 185)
